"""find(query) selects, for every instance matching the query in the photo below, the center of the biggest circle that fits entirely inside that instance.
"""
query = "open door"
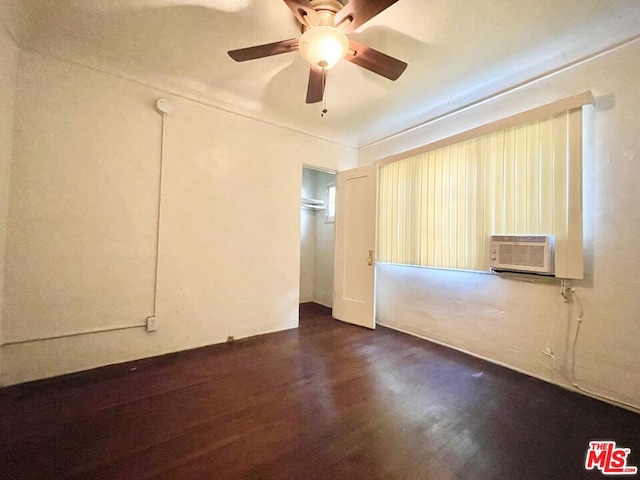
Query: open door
(354, 277)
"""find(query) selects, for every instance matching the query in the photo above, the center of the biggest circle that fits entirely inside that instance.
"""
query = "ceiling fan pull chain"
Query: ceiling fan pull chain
(324, 93)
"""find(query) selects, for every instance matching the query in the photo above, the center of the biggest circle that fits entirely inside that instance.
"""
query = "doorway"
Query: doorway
(317, 236)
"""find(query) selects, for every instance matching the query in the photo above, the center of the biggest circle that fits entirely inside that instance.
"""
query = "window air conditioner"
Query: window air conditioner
(522, 253)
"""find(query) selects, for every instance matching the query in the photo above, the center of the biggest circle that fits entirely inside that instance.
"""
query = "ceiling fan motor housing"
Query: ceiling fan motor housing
(326, 10)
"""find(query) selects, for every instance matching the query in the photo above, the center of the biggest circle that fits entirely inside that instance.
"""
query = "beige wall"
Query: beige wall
(8, 70)
(307, 237)
(83, 211)
(511, 322)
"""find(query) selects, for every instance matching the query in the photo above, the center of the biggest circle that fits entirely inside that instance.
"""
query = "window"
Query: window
(330, 212)
(438, 208)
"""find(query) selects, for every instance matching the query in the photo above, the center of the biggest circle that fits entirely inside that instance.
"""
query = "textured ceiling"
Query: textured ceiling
(458, 51)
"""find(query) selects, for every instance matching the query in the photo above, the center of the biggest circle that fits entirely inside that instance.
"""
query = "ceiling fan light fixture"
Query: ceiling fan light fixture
(323, 46)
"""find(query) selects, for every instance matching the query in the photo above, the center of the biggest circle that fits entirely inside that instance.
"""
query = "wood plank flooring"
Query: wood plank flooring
(325, 401)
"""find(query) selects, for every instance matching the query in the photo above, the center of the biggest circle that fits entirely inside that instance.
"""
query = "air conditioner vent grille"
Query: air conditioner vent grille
(522, 253)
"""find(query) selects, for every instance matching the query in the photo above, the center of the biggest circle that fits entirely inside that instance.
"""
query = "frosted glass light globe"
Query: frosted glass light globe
(323, 46)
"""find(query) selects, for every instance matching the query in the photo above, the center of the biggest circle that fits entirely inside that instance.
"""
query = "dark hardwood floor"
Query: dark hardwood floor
(325, 401)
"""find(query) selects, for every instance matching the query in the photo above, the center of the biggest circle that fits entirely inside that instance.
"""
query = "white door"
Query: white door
(354, 277)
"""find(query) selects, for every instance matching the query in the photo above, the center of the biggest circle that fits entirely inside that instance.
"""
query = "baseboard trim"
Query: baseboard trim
(631, 408)
(324, 304)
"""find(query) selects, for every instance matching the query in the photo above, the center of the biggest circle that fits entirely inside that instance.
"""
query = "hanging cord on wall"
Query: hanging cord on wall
(164, 107)
(572, 292)
(549, 351)
(548, 358)
(158, 222)
(567, 294)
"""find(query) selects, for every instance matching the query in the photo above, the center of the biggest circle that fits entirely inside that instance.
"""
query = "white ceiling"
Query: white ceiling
(458, 51)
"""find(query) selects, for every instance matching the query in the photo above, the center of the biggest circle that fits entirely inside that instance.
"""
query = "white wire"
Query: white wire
(158, 224)
(550, 341)
(574, 344)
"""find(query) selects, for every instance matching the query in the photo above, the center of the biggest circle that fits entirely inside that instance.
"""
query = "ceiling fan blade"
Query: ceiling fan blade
(360, 12)
(375, 61)
(315, 90)
(267, 50)
(302, 8)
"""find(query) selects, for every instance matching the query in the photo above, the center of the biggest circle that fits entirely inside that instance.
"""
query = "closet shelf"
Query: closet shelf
(313, 204)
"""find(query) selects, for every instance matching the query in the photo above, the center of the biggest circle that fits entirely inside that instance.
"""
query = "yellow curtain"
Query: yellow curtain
(439, 208)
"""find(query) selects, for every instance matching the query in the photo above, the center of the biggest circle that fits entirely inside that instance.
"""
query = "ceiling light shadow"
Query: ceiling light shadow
(106, 6)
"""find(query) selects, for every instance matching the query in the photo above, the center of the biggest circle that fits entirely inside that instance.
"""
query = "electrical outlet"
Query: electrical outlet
(152, 324)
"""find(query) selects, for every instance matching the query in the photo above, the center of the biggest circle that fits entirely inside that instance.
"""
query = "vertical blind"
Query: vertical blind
(439, 208)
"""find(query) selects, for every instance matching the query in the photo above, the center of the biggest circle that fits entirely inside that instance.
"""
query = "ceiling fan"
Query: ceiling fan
(324, 25)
